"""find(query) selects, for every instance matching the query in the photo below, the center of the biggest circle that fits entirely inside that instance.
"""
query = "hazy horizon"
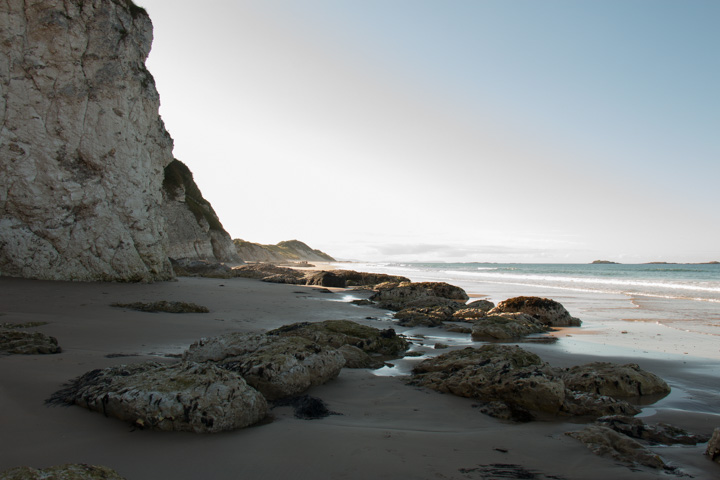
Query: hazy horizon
(494, 131)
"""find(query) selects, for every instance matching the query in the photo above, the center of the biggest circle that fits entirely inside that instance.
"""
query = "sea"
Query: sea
(681, 298)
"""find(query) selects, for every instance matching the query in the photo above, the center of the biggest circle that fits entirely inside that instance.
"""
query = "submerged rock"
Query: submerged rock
(545, 310)
(605, 441)
(187, 396)
(396, 296)
(27, 343)
(277, 366)
(336, 333)
(506, 326)
(75, 471)
(614, 380)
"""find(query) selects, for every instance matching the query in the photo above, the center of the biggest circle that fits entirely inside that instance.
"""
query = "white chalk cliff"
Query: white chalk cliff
(83, 149)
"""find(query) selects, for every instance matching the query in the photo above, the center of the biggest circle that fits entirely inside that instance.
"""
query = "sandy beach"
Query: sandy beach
(384, 428)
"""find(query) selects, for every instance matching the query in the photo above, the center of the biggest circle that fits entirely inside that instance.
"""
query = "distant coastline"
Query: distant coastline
(608, 262)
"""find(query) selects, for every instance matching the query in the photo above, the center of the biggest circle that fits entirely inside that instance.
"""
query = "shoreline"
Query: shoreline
(385, 429)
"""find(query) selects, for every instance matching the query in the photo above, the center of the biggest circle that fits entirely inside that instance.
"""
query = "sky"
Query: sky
(457, 130)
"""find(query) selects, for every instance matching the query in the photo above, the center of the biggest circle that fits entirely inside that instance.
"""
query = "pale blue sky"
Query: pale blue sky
(453, 130)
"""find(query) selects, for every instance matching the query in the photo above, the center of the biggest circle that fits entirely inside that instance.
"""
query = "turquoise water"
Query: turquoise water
(671, 281)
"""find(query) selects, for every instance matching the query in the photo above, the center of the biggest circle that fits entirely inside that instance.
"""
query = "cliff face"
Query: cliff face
(194, 230)
(89, 189)
(291, 250)
(82, 147)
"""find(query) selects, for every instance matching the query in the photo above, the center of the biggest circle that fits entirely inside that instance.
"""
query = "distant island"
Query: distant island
(604, 262)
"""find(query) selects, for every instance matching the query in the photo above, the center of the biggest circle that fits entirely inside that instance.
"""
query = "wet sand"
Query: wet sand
(385, 428)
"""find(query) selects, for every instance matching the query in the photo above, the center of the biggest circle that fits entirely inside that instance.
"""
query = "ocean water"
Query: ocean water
(681, 297)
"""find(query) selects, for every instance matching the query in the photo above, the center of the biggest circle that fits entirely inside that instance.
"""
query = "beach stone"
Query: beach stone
(358, 358)
(326, 279)
(27, 343)
(713, 447)
(188, 267)
(363, 279)
(73, 471)
(661, 433)
(614, 380)
(469, 314)
(424, 316)
(336, 333)
(494, 372)
(607, 442)
(484, 305)
(185, 396)
(546, 310)
(396, 296)
(164, 306)
(276, 366)
(506, 326)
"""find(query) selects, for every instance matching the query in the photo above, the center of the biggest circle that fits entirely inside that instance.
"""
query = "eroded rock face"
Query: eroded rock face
(27, 343)
(336, 333)
(82, 147)
(62, 472)
(396, 296)
(506, 326)
(277, 366)
(614, 380)
(607, 442)
(547, 311)
(187, 396)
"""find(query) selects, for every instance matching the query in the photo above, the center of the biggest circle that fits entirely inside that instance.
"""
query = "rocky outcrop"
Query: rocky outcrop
(185, 267)
(515, 377)
(506, 326)
(27, 343)
(164, 306)
(288, 251)
(201, 398)
(336, 333)
(396, 296)
(424, 316)
(194, 229)
(325, 279)
(364, 279)
(82, 147)
(713, 447)
(614, 380)
(271, 273)
(73, 471)
(546, 310)
(484, 305)
(277, 367)
(607, 442)
(661, 434)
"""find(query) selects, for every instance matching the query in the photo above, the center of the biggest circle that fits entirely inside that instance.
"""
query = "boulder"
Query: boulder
(614, 380)
(289, 279)
(325, 279)
(660, 434)
(547, 311)
(514, 376)
(396, 296)
(363, 279)
(263, 270)
(713, 447)
(484, 305)
(424, 316)
(468, 314)
(27, 343)
(358, 358)
(73, 471)
(277, 366)
(185, 396)
(506, 326)
(336, 333)
(607, 442)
